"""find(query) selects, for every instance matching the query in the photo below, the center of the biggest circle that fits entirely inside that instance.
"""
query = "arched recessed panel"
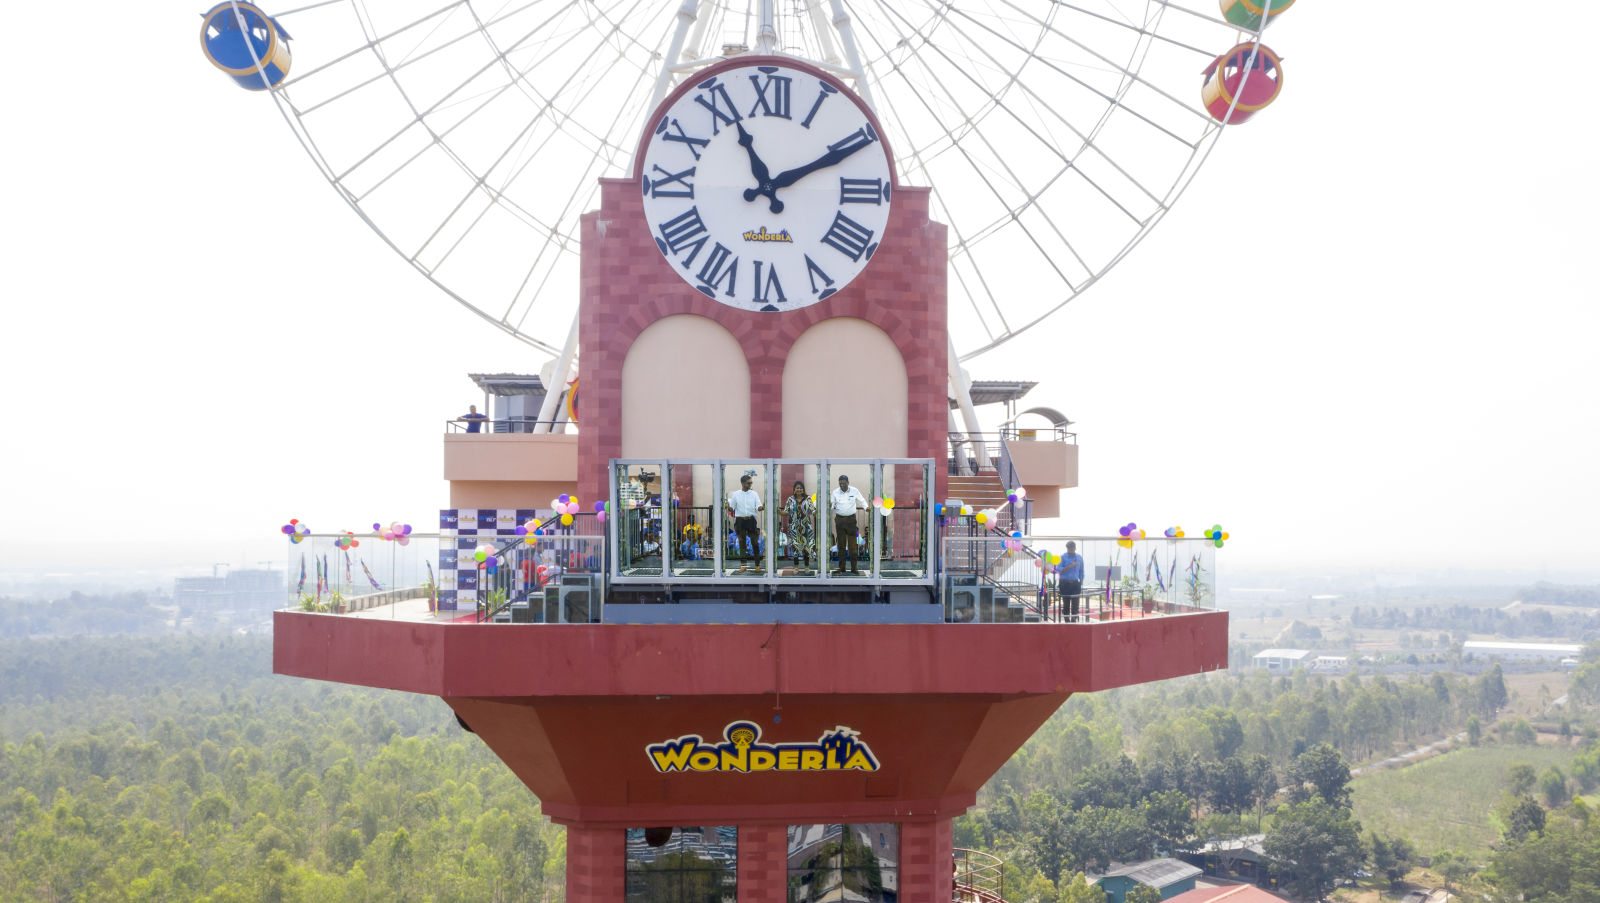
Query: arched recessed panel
(844, 393)
(685, 392)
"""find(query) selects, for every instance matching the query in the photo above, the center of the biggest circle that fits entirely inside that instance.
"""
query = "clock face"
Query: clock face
(766, 187)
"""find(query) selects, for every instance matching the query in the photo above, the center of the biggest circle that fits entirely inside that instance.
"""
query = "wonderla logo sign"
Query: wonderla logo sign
(836, 750)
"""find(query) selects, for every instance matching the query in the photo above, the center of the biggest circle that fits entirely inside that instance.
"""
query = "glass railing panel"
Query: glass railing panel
(1000, 578)
(694, 518)
(847, 522)
(797, 519)
(363, 572)
(903, 520)
(746, 501)
(637, 519)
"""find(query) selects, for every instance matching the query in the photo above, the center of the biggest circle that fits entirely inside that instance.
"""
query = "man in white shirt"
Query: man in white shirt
(742, 506)
(847, 500)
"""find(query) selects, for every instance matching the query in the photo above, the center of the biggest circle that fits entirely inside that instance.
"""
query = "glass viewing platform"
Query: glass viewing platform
(757, 541)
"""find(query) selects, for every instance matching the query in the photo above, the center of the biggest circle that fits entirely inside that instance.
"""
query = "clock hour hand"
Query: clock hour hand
(758, 169)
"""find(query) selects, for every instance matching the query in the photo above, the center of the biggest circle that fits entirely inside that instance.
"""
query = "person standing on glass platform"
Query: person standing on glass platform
(743, 504)
(847, 500)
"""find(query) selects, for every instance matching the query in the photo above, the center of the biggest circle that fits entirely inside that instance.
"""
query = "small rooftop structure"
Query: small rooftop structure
(996, 391)
(1330, 663)
(1169, 876)
(1281, 659)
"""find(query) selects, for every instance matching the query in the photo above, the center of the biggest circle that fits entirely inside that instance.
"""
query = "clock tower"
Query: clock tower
(761, 287)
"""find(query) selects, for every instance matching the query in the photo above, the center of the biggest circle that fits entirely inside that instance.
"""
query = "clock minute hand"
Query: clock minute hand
(833, 156)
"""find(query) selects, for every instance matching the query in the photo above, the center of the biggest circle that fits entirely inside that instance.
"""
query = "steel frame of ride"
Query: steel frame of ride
(690, 27)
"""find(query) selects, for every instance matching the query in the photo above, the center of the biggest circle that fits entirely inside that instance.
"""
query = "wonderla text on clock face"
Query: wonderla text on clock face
(766, 187)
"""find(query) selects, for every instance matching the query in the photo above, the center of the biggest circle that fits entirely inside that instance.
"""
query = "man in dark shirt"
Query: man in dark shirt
(1069, 581)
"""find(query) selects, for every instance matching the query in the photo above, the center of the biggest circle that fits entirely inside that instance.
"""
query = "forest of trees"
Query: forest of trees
(179, 768)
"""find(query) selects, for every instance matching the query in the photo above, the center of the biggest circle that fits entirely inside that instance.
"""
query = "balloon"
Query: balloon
(377, 527)
(1021, 492)
(522, 530)
(492, 561)
(566, 520)
(965, 511)
(888, 503)
(600, 516)
(532, 538)
(406, 529)
(479, 556)
(405, 540)
(1011, 498)
(938, 510)
(563, 498)
(877, 501)
(599, 507)
(1125, 543)
(286, 529)
(981, 518)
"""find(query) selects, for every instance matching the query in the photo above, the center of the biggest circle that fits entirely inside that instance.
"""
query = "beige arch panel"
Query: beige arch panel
(844, 393)
(685, 392)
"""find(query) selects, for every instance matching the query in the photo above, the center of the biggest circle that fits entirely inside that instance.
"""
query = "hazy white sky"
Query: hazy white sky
(1365, 337)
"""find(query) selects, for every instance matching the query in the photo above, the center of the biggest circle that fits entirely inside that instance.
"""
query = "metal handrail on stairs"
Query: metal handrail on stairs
(979, 877)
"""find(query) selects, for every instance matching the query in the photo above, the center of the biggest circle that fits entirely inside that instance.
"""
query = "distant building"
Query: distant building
(1521, 651)
(1169, 876)
(1281, 659)
(1330, 663)
(237, 593)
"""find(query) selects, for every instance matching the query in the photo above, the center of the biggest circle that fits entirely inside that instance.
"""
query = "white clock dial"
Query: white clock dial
(767, 187)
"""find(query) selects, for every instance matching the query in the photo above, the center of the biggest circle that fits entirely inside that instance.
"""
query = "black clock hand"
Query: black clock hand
(758, 168)
(836, 154)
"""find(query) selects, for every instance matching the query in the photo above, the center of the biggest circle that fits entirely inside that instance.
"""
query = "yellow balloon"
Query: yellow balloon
(1125, 543)
(888, 502)
(532, 539)
(1224, 536)
(566, 520)
(982, 518)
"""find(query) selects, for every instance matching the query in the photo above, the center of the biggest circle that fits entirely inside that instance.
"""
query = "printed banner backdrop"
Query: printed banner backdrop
(460, 531)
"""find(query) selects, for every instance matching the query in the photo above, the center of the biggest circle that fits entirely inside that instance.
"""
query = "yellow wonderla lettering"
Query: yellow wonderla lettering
(672, 759)
(858, 759)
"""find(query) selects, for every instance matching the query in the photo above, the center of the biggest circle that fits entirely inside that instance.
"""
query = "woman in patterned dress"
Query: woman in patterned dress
(800, 525)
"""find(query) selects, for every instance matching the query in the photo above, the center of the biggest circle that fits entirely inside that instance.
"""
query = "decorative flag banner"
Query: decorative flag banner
(368, 572)
(319, 579)
(302, 587)
(347, 567)
(433, 589)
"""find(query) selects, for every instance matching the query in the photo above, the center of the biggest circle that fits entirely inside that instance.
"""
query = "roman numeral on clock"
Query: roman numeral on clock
(684, 231)
(812, 272)
(777, 102)
(694, 144)
(825, 91)
(849, 237)
(765, 291)
(860, 191)
(721, 106)
(718, 267)
(659, 188)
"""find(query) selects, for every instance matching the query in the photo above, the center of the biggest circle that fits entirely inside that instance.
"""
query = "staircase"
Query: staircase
(979, 492)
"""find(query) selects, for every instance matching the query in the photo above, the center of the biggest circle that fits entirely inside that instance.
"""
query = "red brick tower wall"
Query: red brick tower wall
(626, 285)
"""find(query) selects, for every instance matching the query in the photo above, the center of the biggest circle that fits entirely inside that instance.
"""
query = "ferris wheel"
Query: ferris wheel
(471, 135)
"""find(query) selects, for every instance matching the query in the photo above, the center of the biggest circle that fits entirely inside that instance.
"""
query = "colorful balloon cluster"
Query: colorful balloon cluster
(1173, 533)
(295, 530)
(1127, 534)
(1216, 535)
(347, 542)
(484, 555)
(395, 532)
(565, 507)
(1016, 495)
(1014, 544)
(1049, 559)
(986, 516)
(533, 529)
(884, 504)
(600, 509)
